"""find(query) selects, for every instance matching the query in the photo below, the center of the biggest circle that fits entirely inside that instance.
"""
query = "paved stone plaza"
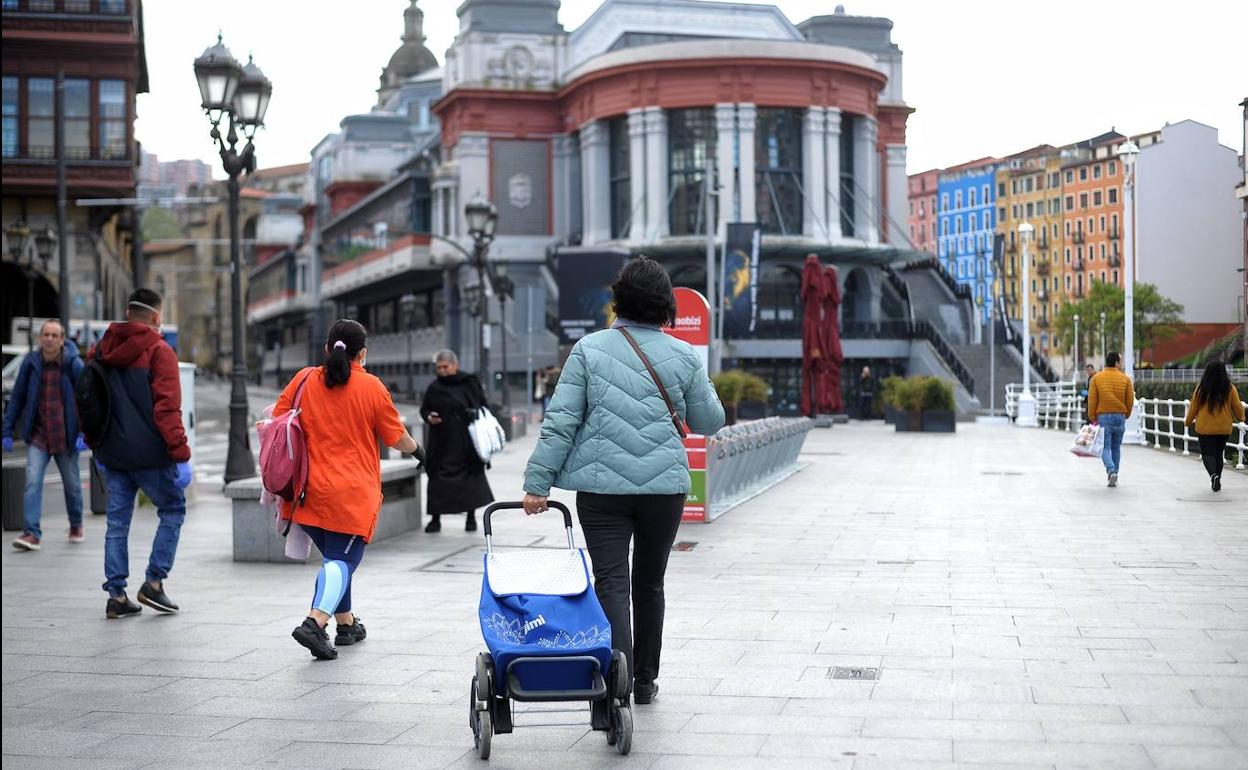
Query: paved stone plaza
(1019, 612)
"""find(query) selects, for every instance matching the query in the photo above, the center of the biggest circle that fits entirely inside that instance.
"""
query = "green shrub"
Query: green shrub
(910, 394)
(753, 387)
(890, 389)
(735, 386)
(937, 394)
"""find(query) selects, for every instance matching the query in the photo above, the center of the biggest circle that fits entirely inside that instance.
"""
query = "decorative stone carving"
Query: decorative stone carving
(520, 190)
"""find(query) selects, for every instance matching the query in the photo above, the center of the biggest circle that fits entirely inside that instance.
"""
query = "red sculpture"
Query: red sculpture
(830, 400)
(822, 355)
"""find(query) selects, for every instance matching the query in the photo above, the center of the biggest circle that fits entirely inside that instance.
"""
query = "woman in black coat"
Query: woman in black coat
(457, 482)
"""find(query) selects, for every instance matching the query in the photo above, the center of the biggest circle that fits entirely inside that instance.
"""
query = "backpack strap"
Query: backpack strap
(671, 410)
(299, 390)
(294, 405)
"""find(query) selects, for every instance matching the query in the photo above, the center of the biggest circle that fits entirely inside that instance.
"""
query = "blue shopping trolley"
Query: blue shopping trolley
(548, 640)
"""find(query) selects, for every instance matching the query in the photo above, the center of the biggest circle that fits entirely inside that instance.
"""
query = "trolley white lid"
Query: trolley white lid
(543, 571)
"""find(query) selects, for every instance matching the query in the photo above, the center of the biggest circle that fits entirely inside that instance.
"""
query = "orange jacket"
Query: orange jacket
(1216, 420)
(1110, 392)
(342, 426)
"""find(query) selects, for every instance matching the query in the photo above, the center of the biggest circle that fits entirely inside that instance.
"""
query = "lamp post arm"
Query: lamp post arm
(453, 244)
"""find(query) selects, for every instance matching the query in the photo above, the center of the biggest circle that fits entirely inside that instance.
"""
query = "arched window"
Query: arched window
(691, 140)
(778, 177)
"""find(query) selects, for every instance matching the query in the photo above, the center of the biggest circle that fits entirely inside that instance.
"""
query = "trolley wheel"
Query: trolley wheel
(483, 733)
(472, 705)
(621, 682)
(621, 734)
(483, 688)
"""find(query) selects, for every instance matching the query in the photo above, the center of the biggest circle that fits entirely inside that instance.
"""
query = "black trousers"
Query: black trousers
(610, 522)
(1213, 453)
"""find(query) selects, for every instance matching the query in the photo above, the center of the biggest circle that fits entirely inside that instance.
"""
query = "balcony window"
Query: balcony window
(691, 140)
(11, 118)
(77, 119)
(112, 116)
(619, 170)
(78, 6)
(113, 6)
(1113, 195)
(778, 176)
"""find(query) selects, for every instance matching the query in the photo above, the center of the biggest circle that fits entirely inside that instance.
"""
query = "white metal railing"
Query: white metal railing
(1185, 375)
(1164, 425)
(1059, 405)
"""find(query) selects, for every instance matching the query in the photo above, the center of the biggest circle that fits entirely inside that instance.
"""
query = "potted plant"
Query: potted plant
(910, 405)
(754, 394)
(736, 387)
(938, 415)
(888, 397)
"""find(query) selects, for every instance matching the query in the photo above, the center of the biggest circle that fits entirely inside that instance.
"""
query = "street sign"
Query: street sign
(693, 325)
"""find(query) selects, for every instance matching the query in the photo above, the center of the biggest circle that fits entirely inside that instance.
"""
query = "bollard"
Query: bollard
(14, 488)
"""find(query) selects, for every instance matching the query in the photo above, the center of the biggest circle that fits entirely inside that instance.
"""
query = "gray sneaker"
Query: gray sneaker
(1113, 479)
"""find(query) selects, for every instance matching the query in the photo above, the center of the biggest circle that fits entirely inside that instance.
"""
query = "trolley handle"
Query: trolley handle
(517, 505)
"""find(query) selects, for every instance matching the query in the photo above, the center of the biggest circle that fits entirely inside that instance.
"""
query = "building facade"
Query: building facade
(1029, 189)
(966, 220)
(923, 211)
(97, 48)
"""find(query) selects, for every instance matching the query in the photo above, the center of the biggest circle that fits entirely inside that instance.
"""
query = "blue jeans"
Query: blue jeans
(159, 484)
(1115, 426)
(36, 466)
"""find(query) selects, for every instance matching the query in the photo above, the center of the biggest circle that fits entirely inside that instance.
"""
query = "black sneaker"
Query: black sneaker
(1216, 482)
(312, 636)
(434, 525)
(121, 607)
(349, 635)
(645, 692)
(156, 599)
(470, 525)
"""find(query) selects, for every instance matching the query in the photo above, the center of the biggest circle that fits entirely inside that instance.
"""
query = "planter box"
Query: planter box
(909, 422)
(751, 410)
(891, 414)
(939, 421)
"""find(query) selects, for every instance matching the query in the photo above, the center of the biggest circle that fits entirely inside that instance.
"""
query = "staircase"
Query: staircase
(978, 359)
(935, 298)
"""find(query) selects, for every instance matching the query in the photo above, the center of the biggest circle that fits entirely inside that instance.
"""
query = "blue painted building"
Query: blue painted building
(966, 221)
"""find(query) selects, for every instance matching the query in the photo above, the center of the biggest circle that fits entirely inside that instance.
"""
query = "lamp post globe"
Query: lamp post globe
(1026, 400)
(218, 73)
(477, 212)
(251, 97)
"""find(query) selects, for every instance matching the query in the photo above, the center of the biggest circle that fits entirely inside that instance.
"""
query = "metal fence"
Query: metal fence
(744, 459)
(1185, 375)
(1060, 406)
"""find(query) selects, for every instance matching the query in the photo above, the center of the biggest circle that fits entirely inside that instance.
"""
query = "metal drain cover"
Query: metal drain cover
(855, 673)
(685, 545)
(1001, 473)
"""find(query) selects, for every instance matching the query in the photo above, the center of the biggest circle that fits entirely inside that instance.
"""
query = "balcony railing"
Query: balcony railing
(1077, 264)
(111, 9)
(1113, 232)
(1043, 266)
(47, 152)
(1078, 236)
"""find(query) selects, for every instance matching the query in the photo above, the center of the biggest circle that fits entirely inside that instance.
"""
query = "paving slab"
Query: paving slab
(1019, 615)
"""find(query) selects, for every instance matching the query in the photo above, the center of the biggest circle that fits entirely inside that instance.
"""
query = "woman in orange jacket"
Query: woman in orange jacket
(1214, 410)
(345, 410)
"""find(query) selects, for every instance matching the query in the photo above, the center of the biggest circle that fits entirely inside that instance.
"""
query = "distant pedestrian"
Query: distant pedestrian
(457, 482)
(611, 435)
(345, 410)
(548, 386)
(1214, 410)
(145, 447)
(866, 393)
(1111, 397)
(43, 399)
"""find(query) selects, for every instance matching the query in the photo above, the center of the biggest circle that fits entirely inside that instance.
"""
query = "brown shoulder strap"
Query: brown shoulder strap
(671, 410)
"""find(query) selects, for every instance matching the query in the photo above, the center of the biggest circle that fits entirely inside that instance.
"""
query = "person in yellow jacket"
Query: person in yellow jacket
(1214, 410)
(1111, 397)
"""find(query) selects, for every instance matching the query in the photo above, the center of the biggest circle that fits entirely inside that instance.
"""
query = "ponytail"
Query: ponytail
(346, 339)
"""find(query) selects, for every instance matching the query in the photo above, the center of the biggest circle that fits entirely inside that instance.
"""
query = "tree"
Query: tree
(160, 224)
(1156, 319)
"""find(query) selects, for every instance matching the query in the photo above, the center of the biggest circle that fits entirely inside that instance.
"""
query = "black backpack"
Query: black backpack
(95, 402)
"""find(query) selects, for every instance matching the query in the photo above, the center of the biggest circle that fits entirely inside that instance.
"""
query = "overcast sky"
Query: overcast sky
(985, 77)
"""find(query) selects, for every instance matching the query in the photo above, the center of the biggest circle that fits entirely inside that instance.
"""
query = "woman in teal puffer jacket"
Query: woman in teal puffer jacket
(608, 436)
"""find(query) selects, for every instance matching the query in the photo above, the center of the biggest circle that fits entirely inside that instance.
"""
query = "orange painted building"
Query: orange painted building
(922, 214)
(1091, 214)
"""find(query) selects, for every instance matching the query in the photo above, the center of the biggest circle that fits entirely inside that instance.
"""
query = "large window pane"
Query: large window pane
(10, 118)
(112, 6)
(40, 105)
(778, 177)
(112, 117)
(77, 119)
(621, 190)
(847, 175)
(691, 140)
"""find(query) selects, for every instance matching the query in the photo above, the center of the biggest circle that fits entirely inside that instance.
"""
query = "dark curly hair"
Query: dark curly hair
(643, 293)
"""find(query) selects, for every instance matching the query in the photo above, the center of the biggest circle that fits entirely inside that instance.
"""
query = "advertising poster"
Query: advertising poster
(585, 279)
(740, 279)
(693, 325)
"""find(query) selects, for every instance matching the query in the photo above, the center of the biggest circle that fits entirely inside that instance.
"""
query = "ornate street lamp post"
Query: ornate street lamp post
(20, 237)
(1129, 153)
(482, 219)
(1026, 401)
(407, 306)
(228, 89)
(1075, 364)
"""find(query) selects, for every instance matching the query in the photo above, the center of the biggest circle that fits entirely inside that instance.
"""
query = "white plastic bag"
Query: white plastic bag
(487, 435)
(1090, 441)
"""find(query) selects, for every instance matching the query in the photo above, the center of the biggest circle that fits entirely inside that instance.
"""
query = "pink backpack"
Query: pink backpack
(284, 453)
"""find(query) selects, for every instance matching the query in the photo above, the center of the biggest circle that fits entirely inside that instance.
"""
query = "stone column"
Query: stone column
(866, 179)
(814, 205)
(746, 115)
(898, 204)
(832, 177)
(472, 152)
(657, 186)
(595, 189)
(566, 199)
(725, 137)
(637, 175)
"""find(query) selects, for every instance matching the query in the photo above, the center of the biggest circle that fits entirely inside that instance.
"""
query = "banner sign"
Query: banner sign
(693, 325)
(740, 279)
(585, 279)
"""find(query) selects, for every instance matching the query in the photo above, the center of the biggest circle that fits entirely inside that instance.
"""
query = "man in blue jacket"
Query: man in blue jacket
(43, 399)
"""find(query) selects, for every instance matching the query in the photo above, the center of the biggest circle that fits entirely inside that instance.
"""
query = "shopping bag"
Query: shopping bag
(487, 435)
(1089, 442)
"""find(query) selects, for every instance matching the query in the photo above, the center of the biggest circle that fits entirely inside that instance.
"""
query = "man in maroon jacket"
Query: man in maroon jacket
(144, 447)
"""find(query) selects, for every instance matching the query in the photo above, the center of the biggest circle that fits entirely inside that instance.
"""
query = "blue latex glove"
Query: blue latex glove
(81, 444)
(8, 444)
(185, 476)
